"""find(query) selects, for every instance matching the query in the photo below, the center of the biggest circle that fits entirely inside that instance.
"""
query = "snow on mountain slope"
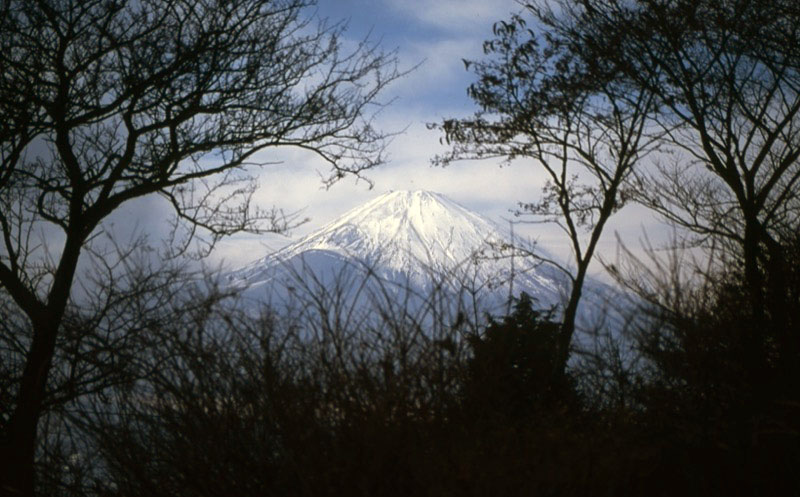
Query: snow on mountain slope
(404, 228)
(410, 239)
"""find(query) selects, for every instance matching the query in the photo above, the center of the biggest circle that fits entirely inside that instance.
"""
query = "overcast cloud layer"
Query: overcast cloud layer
(435, 36)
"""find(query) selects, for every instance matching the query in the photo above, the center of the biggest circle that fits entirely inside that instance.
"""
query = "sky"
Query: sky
(434, 36)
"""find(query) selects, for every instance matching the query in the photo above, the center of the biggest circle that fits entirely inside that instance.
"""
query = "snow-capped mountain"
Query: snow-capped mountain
(405, 240)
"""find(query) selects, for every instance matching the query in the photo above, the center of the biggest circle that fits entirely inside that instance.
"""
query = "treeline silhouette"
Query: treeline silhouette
(695, 396)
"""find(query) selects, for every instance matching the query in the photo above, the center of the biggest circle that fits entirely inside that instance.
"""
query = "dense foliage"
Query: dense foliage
(215, 401)
(156, 383)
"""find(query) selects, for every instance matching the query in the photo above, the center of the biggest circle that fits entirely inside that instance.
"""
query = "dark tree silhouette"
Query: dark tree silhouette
(726, 79)
(730, 406)
(584, 126)
(108, 101)
(512, 364)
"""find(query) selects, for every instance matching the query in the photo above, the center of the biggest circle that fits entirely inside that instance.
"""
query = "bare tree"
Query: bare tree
(726, 78)
(108, 101)
(111, 339)
(227, 399)
(584, 127)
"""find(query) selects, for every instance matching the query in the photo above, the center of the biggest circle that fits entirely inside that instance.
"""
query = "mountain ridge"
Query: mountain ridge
(403, 231)
(410, 239)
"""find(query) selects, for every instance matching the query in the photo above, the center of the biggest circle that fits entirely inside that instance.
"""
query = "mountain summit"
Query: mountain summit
(405, 231)
(407, 239)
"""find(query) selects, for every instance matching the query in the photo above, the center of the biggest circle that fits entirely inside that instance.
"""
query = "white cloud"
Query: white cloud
(456, 15)
(441, 33)
(439, 68)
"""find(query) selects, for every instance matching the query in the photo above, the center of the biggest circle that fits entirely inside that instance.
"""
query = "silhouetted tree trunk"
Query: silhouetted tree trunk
(725, 76)
(581, 126)
(105, 102)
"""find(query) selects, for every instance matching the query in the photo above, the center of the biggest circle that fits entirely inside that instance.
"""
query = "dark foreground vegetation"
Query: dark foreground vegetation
(137, 378)
(693, 397)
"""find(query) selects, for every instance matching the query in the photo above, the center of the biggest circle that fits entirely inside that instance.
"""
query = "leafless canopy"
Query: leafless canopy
(585, 128)
(104, 101)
